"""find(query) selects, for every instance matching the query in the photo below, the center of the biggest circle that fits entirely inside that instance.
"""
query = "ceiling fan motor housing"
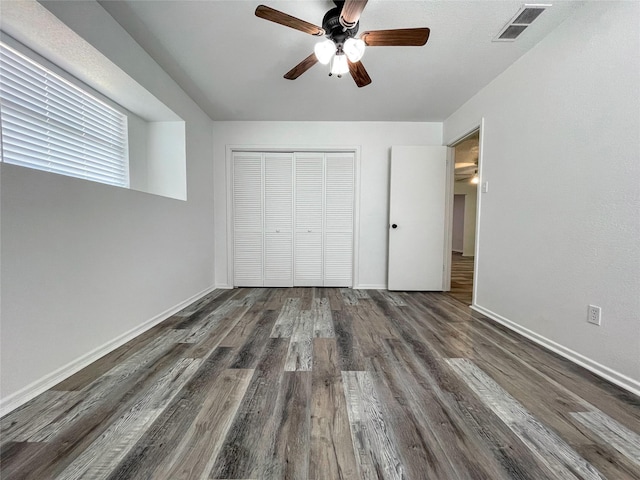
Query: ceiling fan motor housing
(334, 29)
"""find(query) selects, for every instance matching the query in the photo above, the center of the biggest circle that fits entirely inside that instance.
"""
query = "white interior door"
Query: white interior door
(338, 222)
(309, 201)
(417, 218)
(247, 219)
(278, 219)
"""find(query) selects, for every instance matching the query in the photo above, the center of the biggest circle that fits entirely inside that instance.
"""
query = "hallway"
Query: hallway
(461, 278)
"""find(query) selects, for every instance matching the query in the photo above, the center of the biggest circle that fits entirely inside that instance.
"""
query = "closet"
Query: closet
(293, 218)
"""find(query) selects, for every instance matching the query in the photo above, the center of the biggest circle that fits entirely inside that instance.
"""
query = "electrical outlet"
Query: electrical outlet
(593, 314)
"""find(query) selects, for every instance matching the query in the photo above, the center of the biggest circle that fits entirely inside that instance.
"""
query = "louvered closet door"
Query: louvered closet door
(308, 218)
(338, 222)
(247, 219)
(278, 219)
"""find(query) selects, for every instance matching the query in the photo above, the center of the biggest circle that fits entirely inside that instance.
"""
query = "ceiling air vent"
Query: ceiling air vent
(520, 21)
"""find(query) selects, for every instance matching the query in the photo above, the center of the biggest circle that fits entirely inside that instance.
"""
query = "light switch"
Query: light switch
(485, 187)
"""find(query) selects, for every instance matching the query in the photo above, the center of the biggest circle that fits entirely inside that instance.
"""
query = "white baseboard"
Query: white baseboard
(223, 286)
(370, 286)
(607, 373)
(34, 389)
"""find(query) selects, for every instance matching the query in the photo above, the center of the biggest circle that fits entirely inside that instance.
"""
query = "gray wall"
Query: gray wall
(457, 233)
(559, 227)
(374, 139)
(85, 263)
(470, 191)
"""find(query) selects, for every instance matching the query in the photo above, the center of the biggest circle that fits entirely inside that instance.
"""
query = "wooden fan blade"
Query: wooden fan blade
(359, 74)
(277, 16)
(302, 67)
(351, 11)
(402, 37)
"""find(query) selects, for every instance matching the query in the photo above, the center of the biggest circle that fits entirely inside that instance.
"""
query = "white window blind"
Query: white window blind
(50, 124)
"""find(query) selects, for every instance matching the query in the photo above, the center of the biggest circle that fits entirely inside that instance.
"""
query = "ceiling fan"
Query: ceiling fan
(342, 49)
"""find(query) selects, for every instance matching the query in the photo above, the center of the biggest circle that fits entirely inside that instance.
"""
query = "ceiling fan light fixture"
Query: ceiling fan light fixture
(339, 65)
(324, 51)
(343, 50)
(354, 49)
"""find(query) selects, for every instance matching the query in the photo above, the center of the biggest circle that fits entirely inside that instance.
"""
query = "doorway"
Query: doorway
(464, 212)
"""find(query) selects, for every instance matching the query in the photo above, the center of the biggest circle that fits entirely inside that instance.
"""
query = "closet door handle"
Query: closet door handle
(394, 226)
(309, 230)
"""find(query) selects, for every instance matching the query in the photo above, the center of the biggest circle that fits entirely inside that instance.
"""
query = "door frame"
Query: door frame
(449, 206)
(230, 149)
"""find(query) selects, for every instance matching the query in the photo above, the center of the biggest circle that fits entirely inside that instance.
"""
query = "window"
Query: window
(48, 123)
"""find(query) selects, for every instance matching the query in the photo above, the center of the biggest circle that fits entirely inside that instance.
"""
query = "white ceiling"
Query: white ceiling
(231, 62)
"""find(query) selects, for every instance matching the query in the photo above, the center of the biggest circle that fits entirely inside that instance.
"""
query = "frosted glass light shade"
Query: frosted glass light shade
(354, 49)
(339, 65)
(324, 51)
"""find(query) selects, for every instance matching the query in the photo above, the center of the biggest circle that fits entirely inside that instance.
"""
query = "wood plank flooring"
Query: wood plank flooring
(324, 383)
(461, 278)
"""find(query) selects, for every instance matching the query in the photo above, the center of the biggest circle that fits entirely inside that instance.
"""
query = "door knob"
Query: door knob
(394, 226)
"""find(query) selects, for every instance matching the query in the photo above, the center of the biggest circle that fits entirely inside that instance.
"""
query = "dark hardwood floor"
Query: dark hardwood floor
(312, 383)
(461, 278)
